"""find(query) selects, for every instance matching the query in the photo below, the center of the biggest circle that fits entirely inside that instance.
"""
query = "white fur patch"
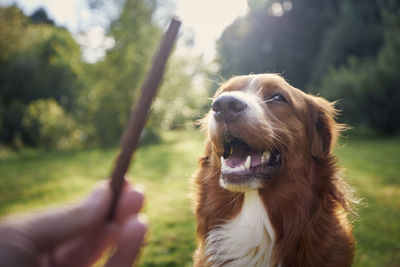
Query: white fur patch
(251, 84)
(253, 113)
(246, 240)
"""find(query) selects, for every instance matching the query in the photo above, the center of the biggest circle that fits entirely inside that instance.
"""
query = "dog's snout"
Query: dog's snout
(228, 108)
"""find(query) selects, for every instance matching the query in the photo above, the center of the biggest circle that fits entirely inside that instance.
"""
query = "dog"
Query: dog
(269, 191)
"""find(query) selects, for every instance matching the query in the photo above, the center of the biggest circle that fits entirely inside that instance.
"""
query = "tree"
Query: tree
(47, 125)
(357, 31)
(40, 16)
(276, 36)
(369, 88)
(42, 61)
(114, 81)
(346, 50)
(183, 95)
(13, 23)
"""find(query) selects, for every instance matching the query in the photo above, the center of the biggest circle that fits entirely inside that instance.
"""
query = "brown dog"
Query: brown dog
(269, 191)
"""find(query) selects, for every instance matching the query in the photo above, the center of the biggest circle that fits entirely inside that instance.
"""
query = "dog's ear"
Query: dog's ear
(322, 129)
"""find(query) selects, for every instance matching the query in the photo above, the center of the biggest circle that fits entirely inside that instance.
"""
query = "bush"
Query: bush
(48, 126)
(183, 95)
(368, 89)
(367, 96)
(347, 86)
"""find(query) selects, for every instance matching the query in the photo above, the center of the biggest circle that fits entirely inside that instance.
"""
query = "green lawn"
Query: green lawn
(34, 179)
(373, 169)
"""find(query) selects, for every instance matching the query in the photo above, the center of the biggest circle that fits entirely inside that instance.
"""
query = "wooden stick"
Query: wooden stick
(139, 114)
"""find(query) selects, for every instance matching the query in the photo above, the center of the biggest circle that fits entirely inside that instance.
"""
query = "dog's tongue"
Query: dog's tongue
(240, 152)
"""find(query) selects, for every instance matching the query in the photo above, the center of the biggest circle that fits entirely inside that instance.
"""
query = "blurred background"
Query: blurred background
(70, 71)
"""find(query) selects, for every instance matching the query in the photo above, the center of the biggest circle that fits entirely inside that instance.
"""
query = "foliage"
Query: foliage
(39, 61)
(369, 88)
(348, 49)
(113, 83)
(47, 125)
(357, 32)
(276, 36)
(51, 178)
(182, 96)
(12, 24)
(46, 63)
(40, 16)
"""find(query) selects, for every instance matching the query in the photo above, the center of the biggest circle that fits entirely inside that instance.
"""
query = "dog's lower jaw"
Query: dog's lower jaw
(246, 240)
(251, 185)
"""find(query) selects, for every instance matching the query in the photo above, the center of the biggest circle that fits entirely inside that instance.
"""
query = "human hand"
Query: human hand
(77, 235)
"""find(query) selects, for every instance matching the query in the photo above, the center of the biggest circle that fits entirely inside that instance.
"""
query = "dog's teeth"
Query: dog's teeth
(265, 156)
(224, 168)
(242, 167)
(223, 165)
(227, 169)
(247, 163)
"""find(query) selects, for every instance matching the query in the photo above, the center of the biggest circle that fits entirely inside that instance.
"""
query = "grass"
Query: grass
(373, 169)
(33, 179)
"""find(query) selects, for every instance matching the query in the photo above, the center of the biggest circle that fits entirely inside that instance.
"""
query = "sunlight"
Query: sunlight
(277, 9)
(95, 43)
(65, 13)
(208, 19)
(203, 20)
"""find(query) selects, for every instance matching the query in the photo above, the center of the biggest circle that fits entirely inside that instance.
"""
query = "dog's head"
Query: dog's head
(260, 127)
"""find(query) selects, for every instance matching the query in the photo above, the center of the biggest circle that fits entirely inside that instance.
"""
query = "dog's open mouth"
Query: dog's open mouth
(242, 164)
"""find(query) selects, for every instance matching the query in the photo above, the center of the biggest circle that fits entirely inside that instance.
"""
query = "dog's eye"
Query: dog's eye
(277, 97)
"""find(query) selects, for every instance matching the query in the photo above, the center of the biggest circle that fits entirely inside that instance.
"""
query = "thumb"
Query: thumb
(47, 229)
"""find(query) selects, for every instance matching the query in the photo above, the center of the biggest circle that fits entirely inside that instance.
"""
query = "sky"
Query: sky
(206, 19)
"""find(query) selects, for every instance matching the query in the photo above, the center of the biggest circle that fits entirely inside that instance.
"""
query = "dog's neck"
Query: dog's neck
(246, 240)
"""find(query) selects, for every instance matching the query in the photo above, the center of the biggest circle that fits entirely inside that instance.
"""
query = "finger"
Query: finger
(129, 243)
(131, 201)
(45, 230)
(13, 252)
(85, 250)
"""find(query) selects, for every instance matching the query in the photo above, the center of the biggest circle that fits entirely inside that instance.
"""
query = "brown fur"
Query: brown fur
(307, 200)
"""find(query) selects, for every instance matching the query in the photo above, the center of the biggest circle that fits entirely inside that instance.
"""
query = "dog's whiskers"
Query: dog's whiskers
(268, 100)
(259, 91)
(218, 83)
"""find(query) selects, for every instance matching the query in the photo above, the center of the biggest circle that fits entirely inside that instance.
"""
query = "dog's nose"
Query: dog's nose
(228, 108)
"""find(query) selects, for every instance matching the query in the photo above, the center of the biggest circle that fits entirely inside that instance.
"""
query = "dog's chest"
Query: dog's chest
(246, 240)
